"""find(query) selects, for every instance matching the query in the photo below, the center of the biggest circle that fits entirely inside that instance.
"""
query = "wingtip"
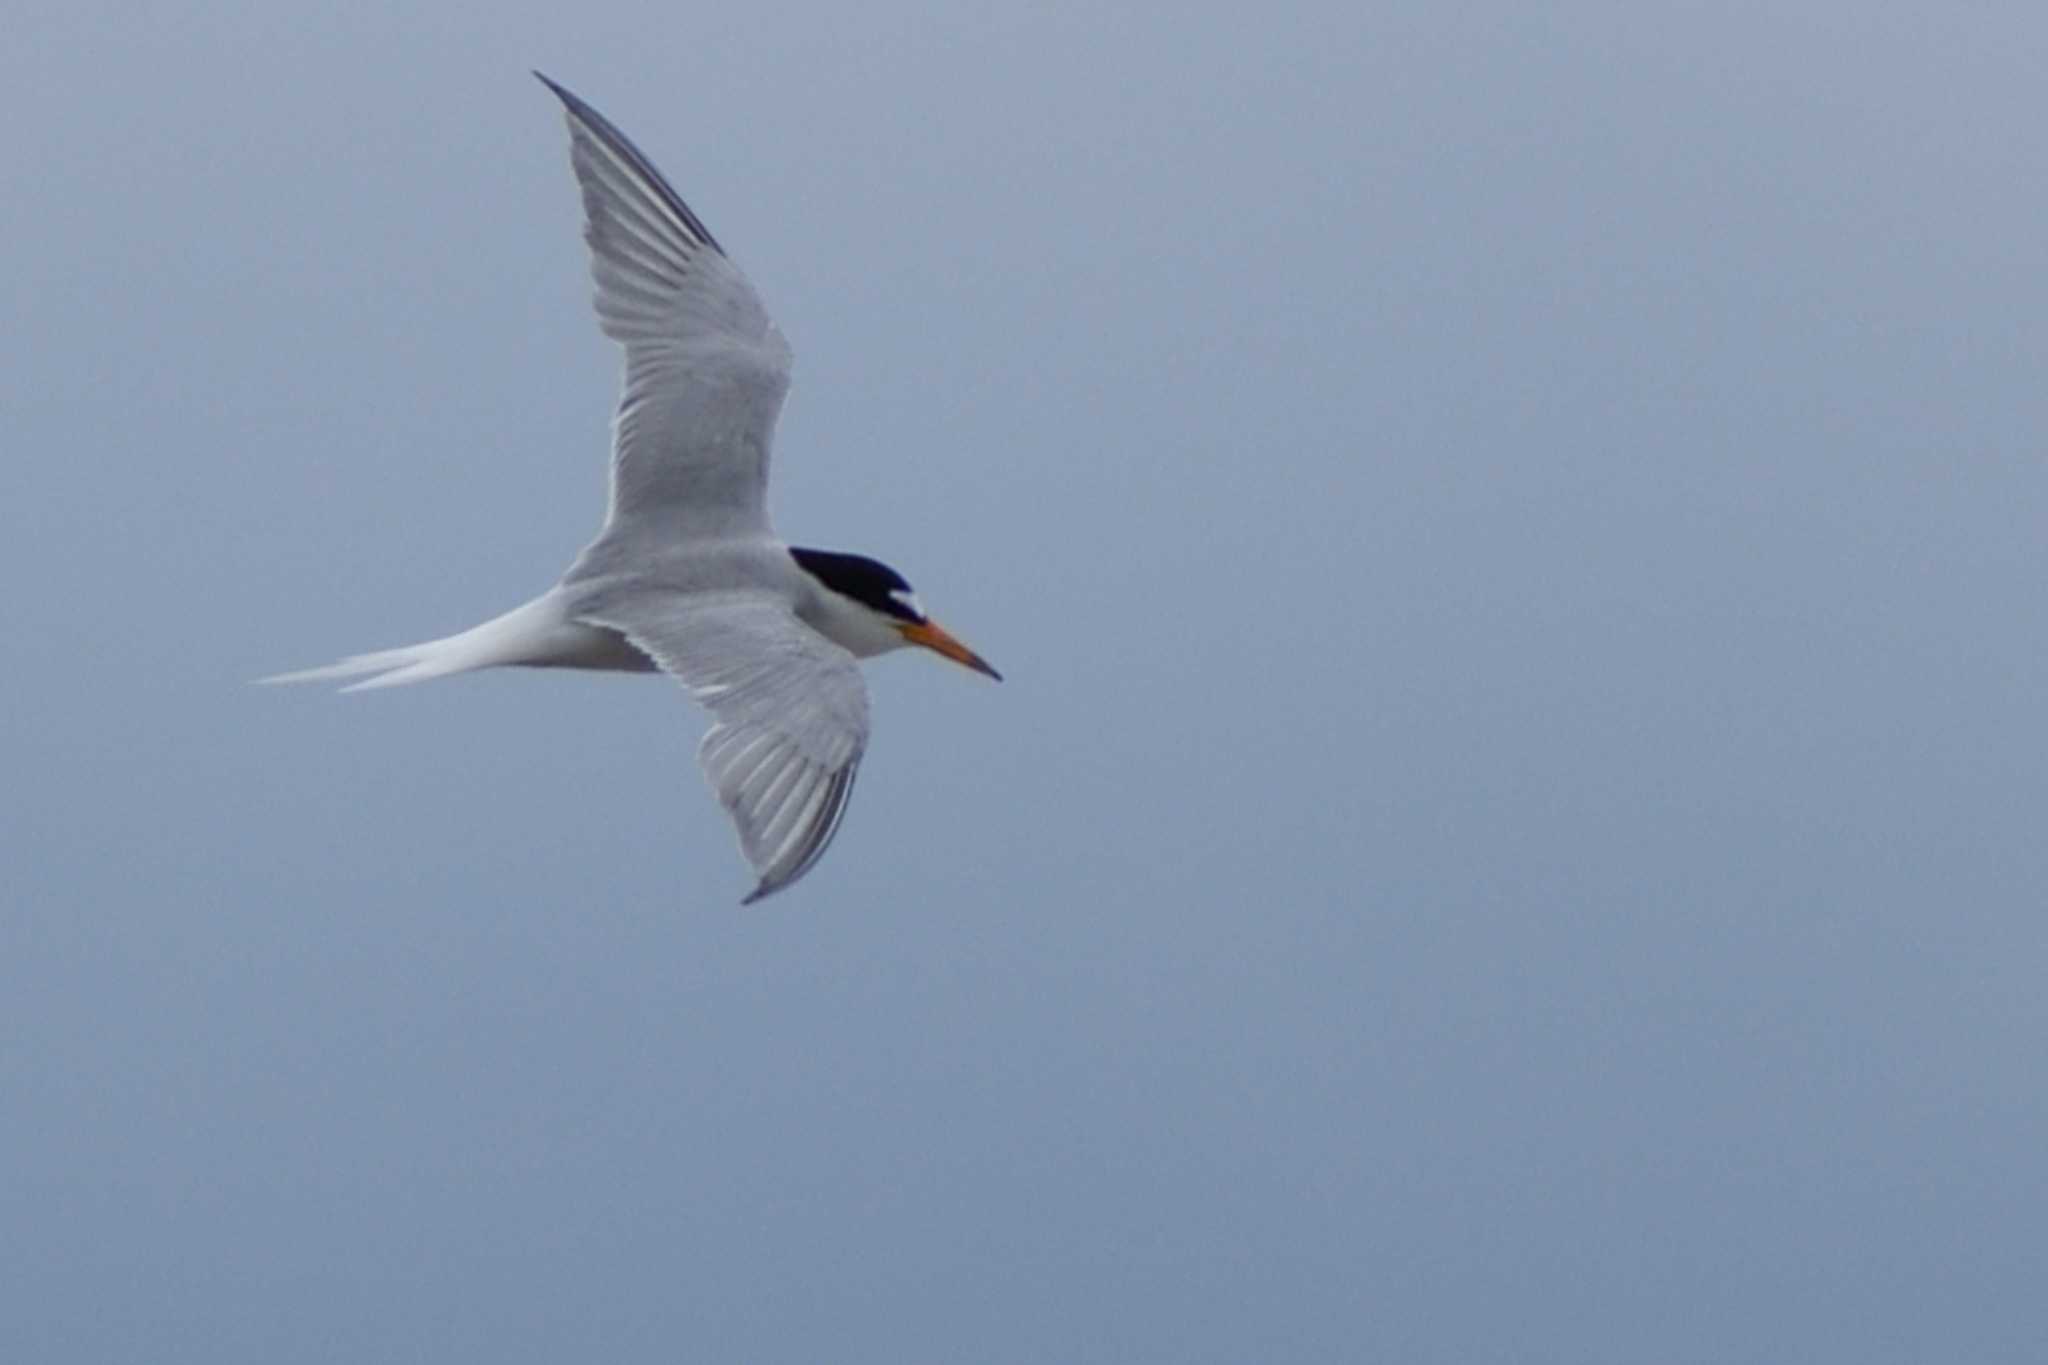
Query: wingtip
(568, 97)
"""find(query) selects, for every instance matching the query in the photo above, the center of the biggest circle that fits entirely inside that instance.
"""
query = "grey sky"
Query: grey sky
(1514, 827)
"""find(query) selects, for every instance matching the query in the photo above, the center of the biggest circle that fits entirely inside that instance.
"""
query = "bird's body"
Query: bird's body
(687, 576)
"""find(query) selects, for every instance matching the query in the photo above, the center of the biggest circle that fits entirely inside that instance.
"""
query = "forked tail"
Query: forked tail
(384, 668)
(536, 633)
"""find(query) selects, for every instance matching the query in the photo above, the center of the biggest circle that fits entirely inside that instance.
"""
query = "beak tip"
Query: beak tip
(935, 638)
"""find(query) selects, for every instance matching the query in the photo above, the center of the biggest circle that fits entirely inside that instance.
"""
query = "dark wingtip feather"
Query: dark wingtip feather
(562, 92)
(603, 130)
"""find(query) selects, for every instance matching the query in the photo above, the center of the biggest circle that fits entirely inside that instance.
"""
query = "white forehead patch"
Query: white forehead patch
(908, 599)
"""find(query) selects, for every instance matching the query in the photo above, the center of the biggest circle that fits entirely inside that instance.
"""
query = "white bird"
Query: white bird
(686, 575)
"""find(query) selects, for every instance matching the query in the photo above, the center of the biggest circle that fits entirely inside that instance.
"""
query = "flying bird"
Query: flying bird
(686, 575)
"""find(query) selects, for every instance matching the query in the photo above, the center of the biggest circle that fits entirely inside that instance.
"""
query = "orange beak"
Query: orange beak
(932, 637)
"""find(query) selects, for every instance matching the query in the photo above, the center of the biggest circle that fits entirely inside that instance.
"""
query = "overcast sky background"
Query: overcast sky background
(1515, 826)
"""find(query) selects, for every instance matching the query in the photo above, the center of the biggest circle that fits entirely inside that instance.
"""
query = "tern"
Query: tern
(686, 575)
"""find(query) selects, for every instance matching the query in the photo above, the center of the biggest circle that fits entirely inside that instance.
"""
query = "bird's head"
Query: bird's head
(872, 609)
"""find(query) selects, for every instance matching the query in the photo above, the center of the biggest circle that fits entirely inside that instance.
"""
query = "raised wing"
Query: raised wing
(792, 716)
(706, 369)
